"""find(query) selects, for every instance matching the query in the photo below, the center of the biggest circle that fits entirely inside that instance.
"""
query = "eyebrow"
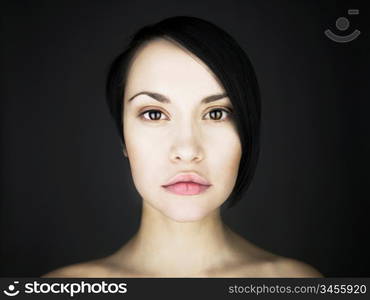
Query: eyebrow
(163, 99)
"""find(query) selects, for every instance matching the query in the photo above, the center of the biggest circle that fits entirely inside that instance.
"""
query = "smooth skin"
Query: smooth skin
(182, 235)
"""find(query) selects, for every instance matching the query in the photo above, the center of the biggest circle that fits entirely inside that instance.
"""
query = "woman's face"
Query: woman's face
(170, 130)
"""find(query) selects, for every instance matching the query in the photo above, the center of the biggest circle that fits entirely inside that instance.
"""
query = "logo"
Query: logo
(12, 292)
(342, 24)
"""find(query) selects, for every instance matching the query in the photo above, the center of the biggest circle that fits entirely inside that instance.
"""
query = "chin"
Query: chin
(186, 210)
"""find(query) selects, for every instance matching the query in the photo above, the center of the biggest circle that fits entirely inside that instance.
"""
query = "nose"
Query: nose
(186, 145)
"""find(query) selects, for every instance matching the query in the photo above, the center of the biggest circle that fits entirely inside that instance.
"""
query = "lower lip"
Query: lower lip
(186, 188)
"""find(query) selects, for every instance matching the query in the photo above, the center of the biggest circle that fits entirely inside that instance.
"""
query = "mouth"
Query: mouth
(186, 188)
(187, 184)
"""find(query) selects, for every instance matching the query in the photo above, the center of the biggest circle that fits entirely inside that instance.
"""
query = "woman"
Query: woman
(186, 103)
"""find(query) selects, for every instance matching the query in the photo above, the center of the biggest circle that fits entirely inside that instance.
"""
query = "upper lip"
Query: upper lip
(187, 177)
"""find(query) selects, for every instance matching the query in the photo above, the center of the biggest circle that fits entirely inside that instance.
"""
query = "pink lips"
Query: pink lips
(187, 184)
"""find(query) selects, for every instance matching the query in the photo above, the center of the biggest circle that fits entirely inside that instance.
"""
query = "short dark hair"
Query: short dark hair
(226, 59)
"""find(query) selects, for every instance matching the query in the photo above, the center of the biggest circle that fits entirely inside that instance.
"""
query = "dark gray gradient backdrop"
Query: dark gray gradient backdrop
(66, 191)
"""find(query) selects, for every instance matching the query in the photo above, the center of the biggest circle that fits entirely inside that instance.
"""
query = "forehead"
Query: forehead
(162, 66)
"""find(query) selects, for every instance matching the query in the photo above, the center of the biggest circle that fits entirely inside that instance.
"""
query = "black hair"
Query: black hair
(226, 59)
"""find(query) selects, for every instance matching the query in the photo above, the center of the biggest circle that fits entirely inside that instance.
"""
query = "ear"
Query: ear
(124, 150)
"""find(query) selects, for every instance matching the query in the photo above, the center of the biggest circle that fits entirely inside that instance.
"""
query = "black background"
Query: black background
(66, 191)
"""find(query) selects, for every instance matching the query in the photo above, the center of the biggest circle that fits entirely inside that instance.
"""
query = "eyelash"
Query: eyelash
(229, 112)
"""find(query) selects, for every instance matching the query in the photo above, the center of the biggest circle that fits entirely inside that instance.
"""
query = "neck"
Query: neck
(165, 247)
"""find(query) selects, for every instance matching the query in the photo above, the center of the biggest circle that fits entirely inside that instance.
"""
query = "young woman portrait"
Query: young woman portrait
(186, 102)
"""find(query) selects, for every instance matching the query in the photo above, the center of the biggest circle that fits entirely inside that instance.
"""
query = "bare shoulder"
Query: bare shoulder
(90, 269)
(258, 262)
(288, 267)
(276, 266)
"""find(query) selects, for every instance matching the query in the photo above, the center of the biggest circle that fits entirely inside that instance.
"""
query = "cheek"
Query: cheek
(146, 154)
(224, 154)
(225, 151)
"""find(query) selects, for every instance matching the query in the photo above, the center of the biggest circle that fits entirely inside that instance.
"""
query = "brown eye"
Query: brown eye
(217, 114)
(153, 115)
